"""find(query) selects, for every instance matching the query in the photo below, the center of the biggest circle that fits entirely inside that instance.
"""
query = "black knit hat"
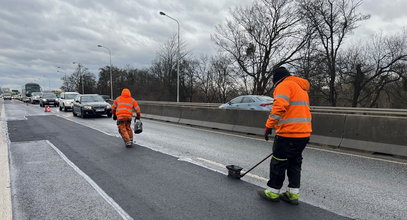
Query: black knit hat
(280, 73)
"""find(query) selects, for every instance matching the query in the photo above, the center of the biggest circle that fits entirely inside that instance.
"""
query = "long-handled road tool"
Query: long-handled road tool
(234, 170)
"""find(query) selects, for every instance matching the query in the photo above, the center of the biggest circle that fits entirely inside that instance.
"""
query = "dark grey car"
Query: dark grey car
(91, 105)
(48, 99)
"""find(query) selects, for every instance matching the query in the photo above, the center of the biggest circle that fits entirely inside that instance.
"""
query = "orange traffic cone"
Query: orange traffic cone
(47, 109)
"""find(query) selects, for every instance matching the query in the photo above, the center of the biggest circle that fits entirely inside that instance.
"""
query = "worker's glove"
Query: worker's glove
(138, 116)
(114, 117)
(267, 132)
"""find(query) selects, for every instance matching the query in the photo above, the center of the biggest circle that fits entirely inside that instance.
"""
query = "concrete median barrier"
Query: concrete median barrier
(252, 122)
(161, 112)
(152, 109)
(381, 134)
(207, 117)
(376, 133)
(171, 113)
(327, 129)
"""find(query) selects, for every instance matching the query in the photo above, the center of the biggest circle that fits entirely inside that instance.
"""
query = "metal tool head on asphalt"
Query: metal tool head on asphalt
(234, 170)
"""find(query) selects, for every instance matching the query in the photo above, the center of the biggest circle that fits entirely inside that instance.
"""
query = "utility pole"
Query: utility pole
(111, 78)
(178, 51)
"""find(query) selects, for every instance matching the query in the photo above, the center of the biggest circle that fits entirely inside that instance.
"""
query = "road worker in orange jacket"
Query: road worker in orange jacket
(291, 117)
(122, 110)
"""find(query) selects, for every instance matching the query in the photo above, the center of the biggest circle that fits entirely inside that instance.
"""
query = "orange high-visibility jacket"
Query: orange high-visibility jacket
(124, 105)
(290, 114)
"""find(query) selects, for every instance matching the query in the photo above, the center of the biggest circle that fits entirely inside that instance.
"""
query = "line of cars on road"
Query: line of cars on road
(9, 96)
(82, 105)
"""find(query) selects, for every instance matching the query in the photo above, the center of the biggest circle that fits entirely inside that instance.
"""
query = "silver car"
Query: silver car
(249, 102)
(35, 97)
(66, 100)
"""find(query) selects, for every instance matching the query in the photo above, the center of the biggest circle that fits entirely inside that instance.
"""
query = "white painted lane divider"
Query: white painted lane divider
(223, 166)
(99, 190)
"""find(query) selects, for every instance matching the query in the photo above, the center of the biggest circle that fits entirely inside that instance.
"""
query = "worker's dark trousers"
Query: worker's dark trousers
(287, 156)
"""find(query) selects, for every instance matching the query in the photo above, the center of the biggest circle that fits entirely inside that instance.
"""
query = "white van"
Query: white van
(66, 100)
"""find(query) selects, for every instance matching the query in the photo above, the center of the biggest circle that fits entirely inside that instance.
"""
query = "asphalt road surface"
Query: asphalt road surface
(68, 167)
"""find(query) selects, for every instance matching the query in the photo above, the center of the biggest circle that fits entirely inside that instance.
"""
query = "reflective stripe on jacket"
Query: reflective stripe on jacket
(124, 105)
(290, 114)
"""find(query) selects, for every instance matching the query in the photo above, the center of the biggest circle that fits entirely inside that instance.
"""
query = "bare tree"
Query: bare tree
(259, 37)
(81, 80)
(188, 78)
(311, 67)
(205, 79)
(224, 83)
(164, 67)
(103, 84)
(397, 92)
(371, 66)
(332, 20)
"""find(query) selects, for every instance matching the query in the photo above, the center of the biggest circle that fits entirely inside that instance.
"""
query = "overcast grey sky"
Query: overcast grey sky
(37, 36)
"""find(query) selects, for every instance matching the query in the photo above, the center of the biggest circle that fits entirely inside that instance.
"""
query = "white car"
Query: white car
(7, 96)
(250, 102)
(66, 100)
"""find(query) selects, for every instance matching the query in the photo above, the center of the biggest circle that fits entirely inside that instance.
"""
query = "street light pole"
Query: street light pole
(178, 52)
(64, 75)
(111, 78)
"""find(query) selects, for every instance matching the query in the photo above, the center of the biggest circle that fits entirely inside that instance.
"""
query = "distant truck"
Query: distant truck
(28, 89)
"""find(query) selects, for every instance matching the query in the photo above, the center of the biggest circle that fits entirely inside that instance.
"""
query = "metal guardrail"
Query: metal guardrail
(197, 104)
(360, 111)
(319, 109)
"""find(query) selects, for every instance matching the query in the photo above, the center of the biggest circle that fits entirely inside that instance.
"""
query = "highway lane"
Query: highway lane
(349, 185)
(146, 183)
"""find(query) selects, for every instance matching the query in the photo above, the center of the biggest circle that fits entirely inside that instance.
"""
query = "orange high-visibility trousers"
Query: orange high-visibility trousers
(125, 130)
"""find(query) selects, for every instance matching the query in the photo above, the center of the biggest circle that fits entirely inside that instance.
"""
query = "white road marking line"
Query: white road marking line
(224, 167)
(200, 164)
(259, 139)
(83, 124)
(211, 162)
(102, 193)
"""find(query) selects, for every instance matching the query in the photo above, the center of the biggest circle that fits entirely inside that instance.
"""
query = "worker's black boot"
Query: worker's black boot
(291, 198)
(129, 144)
(270, 196)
